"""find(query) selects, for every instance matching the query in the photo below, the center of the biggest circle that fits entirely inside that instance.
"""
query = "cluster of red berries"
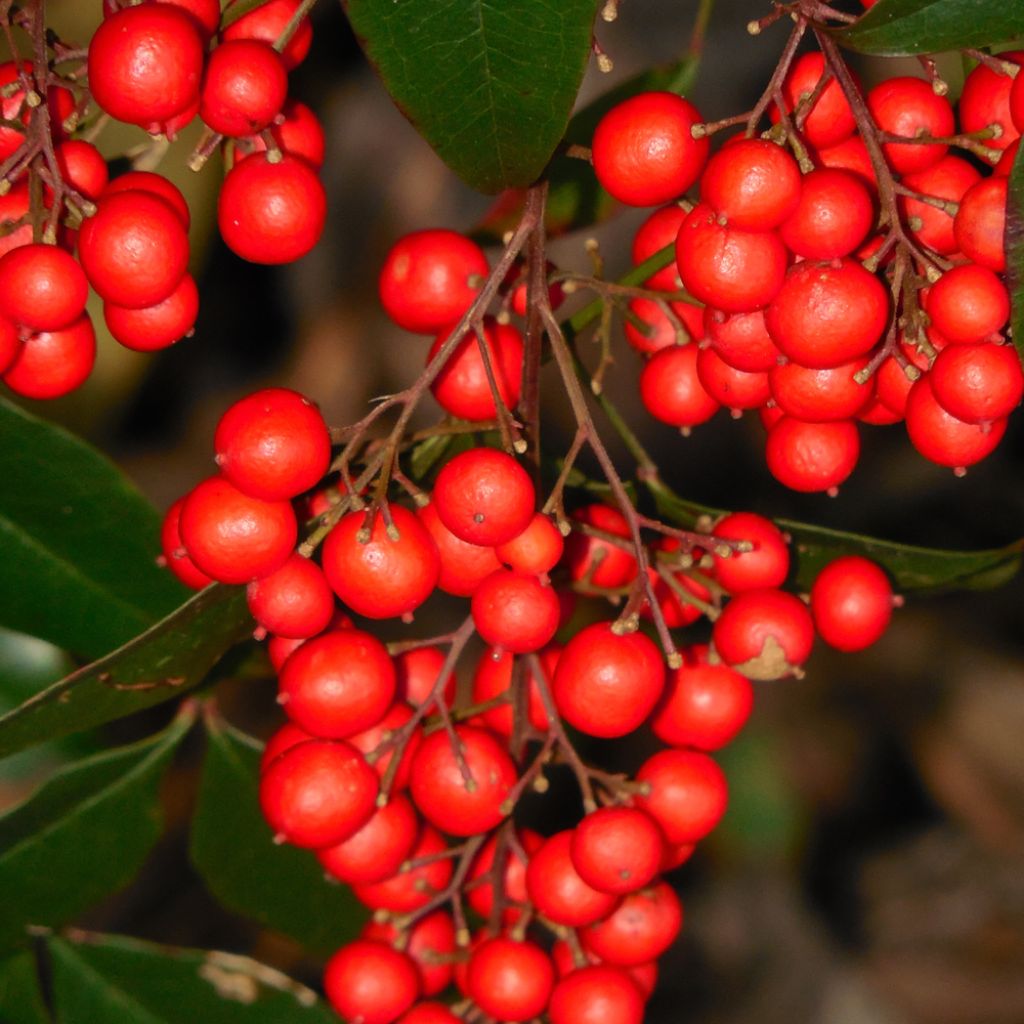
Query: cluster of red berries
(148, 65)
(406, 792)
(787, 258)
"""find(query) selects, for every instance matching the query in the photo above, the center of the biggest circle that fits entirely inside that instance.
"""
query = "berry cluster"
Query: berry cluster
(843, 267)
(151, 65)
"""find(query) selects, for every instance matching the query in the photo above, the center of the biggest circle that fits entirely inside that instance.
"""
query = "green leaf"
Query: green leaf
(280, 886)
(83, 834)
(162, 663)
(238, 9)
(575, 199)
(102, 979)
(21, 1002)
(1014, 242)
(426, 454)
(894, 28)
(489, 84)
(912, 569)
(77, 542)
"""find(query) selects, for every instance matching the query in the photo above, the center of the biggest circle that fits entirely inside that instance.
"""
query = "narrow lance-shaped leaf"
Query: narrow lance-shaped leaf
(83, 834)
(894, 28)
(160, 664)
(21, 1001)
(232, 848)
(106, 978)
(1014, 242)
(77, 542)
(489, 85)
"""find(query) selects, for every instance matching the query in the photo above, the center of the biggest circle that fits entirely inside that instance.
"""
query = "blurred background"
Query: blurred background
(870, 869)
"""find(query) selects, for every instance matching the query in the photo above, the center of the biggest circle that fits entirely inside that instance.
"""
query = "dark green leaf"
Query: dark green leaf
(913, 569)
(103, 979)
(239, 9)
(426, 454)
(77, 542)
(489, 84)
(83, 834)
(21, 1002)
(575, 200)
(165, 661)
(279, 886)
(1015, 249)
(895, 28)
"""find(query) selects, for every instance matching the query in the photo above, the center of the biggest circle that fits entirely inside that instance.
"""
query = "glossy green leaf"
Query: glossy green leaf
(231, 846)
(912, 569)
(575, 200)
(83, 834)
(489, 84)
(1014, 241)
(895, 28)
(103, 979)
(160, 664)
(77, 542)
(21, 1001)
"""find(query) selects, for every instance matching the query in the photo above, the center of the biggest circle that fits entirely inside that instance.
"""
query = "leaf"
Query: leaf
(280, 886)
(238, 9)
(912, 569)
(165, 661)
(83, 834)
(426, 454)
(1014, 243)
(21, 1002)
(77, 542)
(106, 978)
(575, 199)
(489, 84)
(894, 28)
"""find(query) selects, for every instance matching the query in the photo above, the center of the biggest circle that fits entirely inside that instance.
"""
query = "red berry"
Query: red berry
(431, 944)
(417, 673)
(766, 564)
(430, 1013)
(158, 326)
(617, 849)
(597, 561)
(556, 889)
(852, 603)
(741, 339)
(378, 849)
(596, 995)
(297, 131)
(830, 119)
(752, 183)
(672, 391)
(658, 331)
(606, 684)
(812, 457)
(639, 930)
(481, 896)
(978, 383)
(383, 576)
(968, 303)
(42, 287)
(288, 736)
(295, 601)
(643, 151)
(60, 101)
(53, 363)
(833, 216)
(174, 552)
(244, 87)
(463, 566)
(82, 167)
(765, 634)
(154, 184)
(910, 107)
(493, 677)
(510, 980)
(14, 208)
(687, 794)
(267, 22)
(851, 155)
(515, 611)
(271, 212)
(412, 888)
(948, 179)
(820, 396)
(985, 100)
(735, 389)
(980, 223)
(656, 232)
(536, 550)
(369, 982)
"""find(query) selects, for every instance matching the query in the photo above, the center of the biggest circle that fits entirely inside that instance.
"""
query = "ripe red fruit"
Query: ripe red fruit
(639, 930)
(134, 249)
(60, 101)
(82, 167)
(617, 849)
(510, 980)
(820, 396)
(430, 1013)
(606, 684)
(288, 736)
(145, 63)
(493, 677)
(410, 889)
(536, 550)
(273, 444)
(765, 634)
(271, 212)
(244, 87)
(595, 560)
(481, 896)
(484, 497)
(941, 437)
(425, 280)
(980, 223)
(833, 216)
(851, 155)
(596, 995)
(658, 331)
(338, 684)
(383, 577)
(154, 184)
(233, 537)
(42, 287)
(462, 388)
(827, 314)
(441, 792)
(397, 718)
(812, 457)
(727, 267)
(671, 389)
(1016, 100)
(741, 339)
(378, 849)
(318, 793)
(644, 975)
(158, 326)
(735, 389)
(852, 603)
(555, 888)
(295, 601)
(704, 706)
(515, 611)
(948, 179)
(659, 230)
(985, 100)
(463, 566)
(687, 794)
(53, 363)
(14, 207)
(174, 551)
(765, 565)
(643, 151)
(753, 183)
(267, 22)
(430, 944)
(910, 107)
(830, 119)
(417, 672)
(968, 303)
(978, 383)
(297, 131)
(370, 982)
